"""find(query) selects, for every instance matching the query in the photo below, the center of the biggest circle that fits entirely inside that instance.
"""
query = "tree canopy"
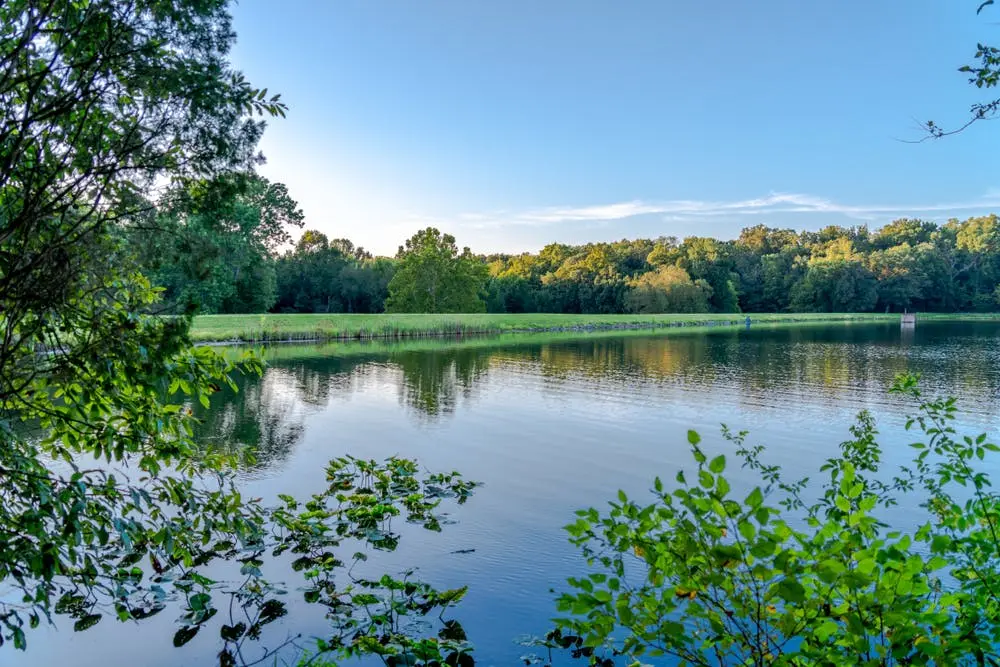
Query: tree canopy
(432, 276)
(125, 134)
(324, 276)
(212, 246)
(106, 104)
(669, 289)
(907, 264)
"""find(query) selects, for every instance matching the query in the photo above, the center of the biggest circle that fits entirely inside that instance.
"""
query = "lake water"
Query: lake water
(550, 426)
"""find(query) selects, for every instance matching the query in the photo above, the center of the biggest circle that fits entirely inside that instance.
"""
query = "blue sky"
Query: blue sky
(516, 123)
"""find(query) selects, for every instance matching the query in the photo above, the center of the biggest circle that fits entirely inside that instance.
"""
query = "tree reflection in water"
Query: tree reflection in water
(433, 378)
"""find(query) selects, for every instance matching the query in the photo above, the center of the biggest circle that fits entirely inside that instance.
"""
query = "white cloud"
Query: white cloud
(605, 212)
(685, 210)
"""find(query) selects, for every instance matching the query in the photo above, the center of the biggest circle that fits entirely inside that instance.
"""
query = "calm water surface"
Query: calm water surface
(550, 427)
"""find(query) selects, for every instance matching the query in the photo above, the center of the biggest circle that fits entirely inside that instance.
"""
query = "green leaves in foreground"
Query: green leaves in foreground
(368, 613)
(711, 578)
(115, 511)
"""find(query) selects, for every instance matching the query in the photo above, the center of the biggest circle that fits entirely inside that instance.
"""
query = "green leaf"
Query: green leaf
(936, 563)
(763, 549)
(790, 591)
(231, 633)
(185, 634)
(453, 596)
(693, 437)
(88, 621)
(941, 543)
(830, 570)
(718, 464)
(199, 601)
(825, 630)
(755, 499)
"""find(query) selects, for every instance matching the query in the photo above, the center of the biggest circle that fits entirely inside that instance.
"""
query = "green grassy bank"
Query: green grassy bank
(373, 347)
(275, 328)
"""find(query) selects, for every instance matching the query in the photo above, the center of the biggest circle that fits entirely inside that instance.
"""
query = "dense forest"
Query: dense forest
(230, 251)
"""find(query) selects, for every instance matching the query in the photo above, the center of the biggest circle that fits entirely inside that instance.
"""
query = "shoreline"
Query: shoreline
(312, 328)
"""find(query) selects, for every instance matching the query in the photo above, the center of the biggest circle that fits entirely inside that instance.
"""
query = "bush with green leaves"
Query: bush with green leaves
(706, 576)
(326, 539)
(109, 507)
(107, 106)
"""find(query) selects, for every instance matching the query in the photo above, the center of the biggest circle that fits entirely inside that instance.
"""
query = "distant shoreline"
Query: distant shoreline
(274, 328)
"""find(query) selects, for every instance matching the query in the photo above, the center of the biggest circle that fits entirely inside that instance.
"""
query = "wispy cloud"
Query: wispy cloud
(682, 210)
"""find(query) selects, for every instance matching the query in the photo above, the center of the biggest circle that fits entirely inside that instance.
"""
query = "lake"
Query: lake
(550, 425)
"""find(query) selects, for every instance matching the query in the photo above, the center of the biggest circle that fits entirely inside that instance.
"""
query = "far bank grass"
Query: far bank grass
(339, 326)
(376, 347)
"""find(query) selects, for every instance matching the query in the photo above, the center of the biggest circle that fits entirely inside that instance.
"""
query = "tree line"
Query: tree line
(907, 264)
(230, 251)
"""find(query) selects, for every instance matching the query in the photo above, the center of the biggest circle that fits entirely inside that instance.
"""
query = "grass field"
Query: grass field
(387, 346)
(339, 326)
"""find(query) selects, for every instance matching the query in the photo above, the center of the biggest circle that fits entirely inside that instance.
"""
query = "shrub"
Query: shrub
(772, 578)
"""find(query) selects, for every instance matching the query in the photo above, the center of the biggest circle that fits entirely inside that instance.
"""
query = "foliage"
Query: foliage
(835, 285)
(985, 73)
(116, 395)
(83, 536)
(908, 264)
(104, 103)
(669, 289)
(380, 615)
(127, 133)
(210, 246)
(322, 276)
(712, 577)
(433, 277)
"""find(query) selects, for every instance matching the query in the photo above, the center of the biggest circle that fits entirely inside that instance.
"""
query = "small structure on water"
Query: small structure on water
(908, 319)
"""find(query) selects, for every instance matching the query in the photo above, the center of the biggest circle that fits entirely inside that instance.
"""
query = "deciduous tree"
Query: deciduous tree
(669, 289)
(432, 276)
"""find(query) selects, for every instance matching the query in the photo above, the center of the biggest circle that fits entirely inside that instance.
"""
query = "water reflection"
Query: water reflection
(432, 382)
(836, 364)
(551, 424)
(266, 416)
